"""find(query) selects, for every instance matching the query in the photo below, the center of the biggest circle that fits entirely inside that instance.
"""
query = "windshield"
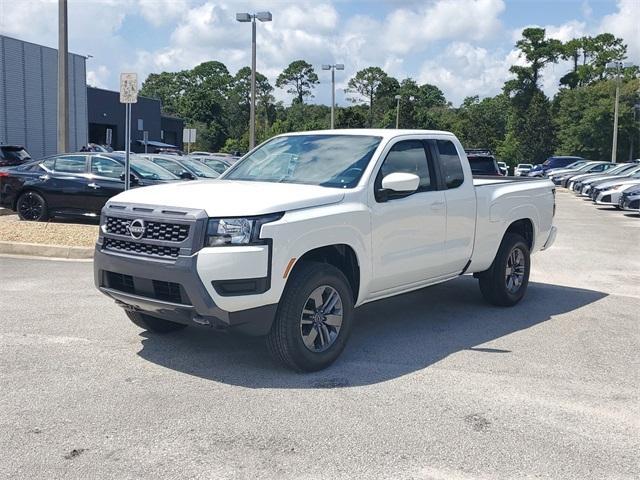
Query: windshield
(149, 170)
(618, 169)
(326, 160)
(525, 165)
(200, 169)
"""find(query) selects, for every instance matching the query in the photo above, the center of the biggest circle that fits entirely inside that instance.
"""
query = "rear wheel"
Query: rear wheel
(506, 281)
(314, 318)
(154, 324)
(32, 206)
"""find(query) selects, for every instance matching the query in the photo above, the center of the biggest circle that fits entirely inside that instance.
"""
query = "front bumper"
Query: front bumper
(608, 197)
(172, 291)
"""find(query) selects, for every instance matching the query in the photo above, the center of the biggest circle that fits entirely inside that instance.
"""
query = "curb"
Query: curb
(6, 211)
(43, 250)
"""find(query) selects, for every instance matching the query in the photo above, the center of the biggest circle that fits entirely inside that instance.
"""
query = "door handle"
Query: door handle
(94, 186)
(437, 205)
(43, 177)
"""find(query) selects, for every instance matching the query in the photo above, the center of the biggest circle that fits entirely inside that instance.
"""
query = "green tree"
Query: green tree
(584, 120)
(538, 51)
(168, 87)
(483, 123)
(366, 84)
(300, 78)
(239, 102)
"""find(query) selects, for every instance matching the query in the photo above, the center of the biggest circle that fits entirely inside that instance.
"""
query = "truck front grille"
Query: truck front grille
(157, 289)
(140, 248)
(169, 232)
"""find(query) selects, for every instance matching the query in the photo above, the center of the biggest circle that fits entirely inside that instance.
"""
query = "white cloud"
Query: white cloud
(460, 45)
(463, 70)
(412, 29)
(162, 12)
(98, 77)
(625, 23)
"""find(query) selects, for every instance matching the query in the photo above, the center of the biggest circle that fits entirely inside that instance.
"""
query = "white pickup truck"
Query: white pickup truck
(309, 226)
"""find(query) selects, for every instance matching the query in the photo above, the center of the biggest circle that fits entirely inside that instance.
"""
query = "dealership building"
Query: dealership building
(28, 105)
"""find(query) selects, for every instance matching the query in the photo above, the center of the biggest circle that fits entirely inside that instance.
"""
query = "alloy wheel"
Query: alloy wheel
(30, 207)
(514, 273)
(321, 318)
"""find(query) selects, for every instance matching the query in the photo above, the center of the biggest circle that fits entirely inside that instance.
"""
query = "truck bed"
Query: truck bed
(482, 180)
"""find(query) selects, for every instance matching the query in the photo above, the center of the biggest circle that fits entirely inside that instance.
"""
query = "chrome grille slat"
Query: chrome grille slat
(170, 232)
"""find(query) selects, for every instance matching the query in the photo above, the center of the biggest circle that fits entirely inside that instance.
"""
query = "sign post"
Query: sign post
(128, 95)
(108, 136)
(145, 139)
(189, 137)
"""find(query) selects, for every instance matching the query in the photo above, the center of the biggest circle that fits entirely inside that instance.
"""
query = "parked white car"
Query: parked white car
(311, 225)
(522, 169)
(610, 193)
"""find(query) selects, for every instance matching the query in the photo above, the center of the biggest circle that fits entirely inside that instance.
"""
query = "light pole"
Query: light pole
(63, 78)
(251, 17)
(398, 97)
(333, 68)
(617, 65)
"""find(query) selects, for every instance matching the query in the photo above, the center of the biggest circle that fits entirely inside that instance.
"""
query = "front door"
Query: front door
(408, 231)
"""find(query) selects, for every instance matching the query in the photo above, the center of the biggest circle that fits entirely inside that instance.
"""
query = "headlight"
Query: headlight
(236, 231)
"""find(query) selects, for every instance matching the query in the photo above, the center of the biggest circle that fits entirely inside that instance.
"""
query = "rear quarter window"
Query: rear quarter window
(450, 163)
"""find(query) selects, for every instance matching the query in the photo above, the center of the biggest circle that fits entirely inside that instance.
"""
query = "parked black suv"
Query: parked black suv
(12, 155)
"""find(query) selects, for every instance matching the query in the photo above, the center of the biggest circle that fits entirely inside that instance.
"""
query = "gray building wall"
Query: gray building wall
(28, 97)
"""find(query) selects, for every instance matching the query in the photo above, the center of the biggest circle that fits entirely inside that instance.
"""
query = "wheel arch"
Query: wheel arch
(24, 190)
(340, 255)
(524, 228)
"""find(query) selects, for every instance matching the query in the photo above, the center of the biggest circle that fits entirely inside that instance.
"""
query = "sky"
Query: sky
(465, 47)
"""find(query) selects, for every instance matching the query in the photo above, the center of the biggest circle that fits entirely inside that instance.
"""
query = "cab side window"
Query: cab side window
(450, 164)
(407, 156)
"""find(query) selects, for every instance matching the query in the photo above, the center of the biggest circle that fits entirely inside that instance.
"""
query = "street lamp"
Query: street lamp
(251, 17)
(617, 66)
(333, 68)
(398, 97)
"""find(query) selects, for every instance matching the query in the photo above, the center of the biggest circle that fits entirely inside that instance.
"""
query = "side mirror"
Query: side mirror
(401, 182)
(132, 178)
(397, 185)
(187, 176)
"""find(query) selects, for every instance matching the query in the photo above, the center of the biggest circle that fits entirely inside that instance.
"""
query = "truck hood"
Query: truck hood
(229, 198)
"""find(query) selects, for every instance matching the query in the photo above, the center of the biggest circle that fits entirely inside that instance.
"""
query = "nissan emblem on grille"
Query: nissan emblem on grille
(136, 228)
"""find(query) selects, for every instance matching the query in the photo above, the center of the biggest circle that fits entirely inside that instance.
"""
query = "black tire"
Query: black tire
(31, 206)
(154, 324)
(285, 340)
(494, 282)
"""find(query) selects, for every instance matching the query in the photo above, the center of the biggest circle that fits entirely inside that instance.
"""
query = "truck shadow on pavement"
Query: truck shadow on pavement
(390, 338)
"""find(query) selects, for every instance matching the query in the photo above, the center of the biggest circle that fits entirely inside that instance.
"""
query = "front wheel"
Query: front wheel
(154, 324)
(32, 206)
(506, 281)
(314, 318)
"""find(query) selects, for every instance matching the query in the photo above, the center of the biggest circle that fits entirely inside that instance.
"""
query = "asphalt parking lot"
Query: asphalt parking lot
(433, 385)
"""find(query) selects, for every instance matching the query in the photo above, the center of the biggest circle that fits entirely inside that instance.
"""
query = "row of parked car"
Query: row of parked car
(79, 184)
(605, 183)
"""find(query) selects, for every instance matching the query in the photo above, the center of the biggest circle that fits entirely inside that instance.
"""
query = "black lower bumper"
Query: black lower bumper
(171, 290)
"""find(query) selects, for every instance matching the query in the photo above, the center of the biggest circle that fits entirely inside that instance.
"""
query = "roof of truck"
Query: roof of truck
(378, 132)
